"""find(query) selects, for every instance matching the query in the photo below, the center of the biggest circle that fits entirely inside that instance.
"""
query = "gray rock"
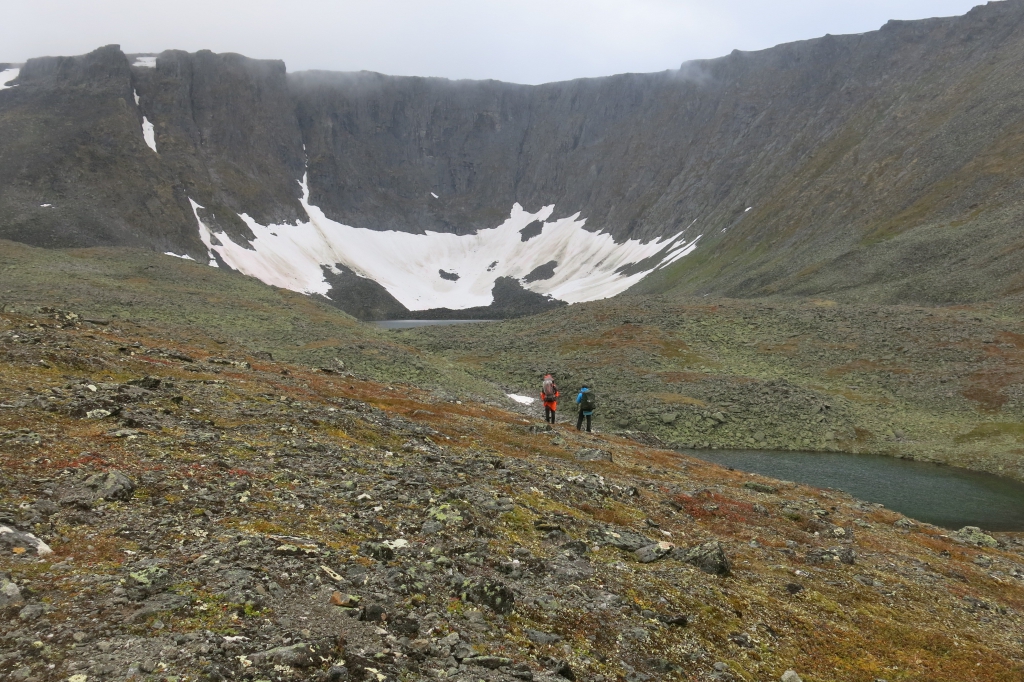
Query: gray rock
(31, 612)
(20, 540)
(791, 676)
(709, 557)
(10, 594)
(490, 593)
(622, 538)
(842, 555)
(300, 655)
(972, 535)
(593, 455)
(539, 637)
(492, 662)
(650, 553)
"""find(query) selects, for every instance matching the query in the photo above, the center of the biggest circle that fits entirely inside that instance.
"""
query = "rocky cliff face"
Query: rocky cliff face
(817, 167)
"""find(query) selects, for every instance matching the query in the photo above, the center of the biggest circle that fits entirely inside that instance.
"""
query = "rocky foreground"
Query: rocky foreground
(171, 514)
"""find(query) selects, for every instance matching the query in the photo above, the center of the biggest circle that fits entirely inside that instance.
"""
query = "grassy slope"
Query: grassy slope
(936, 384)
(128, 286)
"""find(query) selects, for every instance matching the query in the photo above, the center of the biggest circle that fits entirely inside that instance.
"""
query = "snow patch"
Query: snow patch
(522, 399)
(135, 94)
(45, 205)
(186, 256)
(434, 195)
(148, 133)
(749, 208)
(6, 76)
(407, 265)
(145, 62)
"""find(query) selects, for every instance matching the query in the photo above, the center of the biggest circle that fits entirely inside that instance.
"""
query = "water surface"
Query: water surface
(945, 496)
(411, 324)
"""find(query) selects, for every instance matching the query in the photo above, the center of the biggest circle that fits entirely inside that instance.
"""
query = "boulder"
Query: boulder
(21, 542)
(10, 594)
(300, 655)
(709, 557)
(650, 553)
(972, 535)
(593, 455)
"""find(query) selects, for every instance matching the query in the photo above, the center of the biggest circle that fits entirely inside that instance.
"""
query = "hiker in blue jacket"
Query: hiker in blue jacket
(587, 404)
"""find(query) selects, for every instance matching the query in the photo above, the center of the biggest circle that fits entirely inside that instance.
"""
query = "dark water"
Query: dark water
(410, 324)
(945, 496)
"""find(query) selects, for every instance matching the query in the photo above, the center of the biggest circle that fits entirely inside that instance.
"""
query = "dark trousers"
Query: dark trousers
(549, 414)
(579, 421)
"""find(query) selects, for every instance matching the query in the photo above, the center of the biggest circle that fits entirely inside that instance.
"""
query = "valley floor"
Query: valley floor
(213, 514)
(940, 384)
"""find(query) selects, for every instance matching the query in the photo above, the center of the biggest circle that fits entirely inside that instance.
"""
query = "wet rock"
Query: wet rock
(709, 557)
(972, 535)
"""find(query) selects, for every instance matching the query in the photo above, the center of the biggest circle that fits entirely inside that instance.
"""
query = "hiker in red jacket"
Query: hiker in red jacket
(549, 395)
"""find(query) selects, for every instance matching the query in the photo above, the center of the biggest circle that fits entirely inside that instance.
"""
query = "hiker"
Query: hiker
(549, 396)
(587, 404)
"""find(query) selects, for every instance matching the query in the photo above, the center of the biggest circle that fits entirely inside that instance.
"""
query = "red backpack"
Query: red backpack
(550, 391)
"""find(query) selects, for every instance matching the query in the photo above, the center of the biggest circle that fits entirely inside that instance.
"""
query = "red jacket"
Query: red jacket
(553, 404)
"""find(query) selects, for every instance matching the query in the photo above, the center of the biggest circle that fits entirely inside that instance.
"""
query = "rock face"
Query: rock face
(839, 150)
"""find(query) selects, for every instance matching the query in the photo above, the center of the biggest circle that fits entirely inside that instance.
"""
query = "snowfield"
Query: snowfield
(410, 266)
(6, 76)
(145, 62)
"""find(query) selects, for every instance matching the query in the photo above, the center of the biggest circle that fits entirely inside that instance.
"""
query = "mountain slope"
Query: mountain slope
(884, 165)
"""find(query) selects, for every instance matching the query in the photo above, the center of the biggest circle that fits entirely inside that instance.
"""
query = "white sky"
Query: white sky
(525, 41)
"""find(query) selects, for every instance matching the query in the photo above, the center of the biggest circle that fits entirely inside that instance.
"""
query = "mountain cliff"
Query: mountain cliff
(883, 166)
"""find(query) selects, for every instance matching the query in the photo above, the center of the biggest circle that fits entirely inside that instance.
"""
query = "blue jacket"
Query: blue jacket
(579, 399)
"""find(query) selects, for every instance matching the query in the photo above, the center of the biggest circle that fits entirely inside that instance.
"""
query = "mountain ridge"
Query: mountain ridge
(790, 163)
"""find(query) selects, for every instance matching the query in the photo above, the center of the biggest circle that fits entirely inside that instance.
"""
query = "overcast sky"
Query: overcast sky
(524, 41)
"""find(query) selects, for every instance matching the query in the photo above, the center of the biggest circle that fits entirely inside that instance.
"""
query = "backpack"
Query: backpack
(588, 402)
(549, 390)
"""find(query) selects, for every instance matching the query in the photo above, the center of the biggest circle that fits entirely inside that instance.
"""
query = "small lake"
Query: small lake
(944, 496)
(412, 324)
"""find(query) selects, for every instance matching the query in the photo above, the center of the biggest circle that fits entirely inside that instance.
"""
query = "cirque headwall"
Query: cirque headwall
(885, 165)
